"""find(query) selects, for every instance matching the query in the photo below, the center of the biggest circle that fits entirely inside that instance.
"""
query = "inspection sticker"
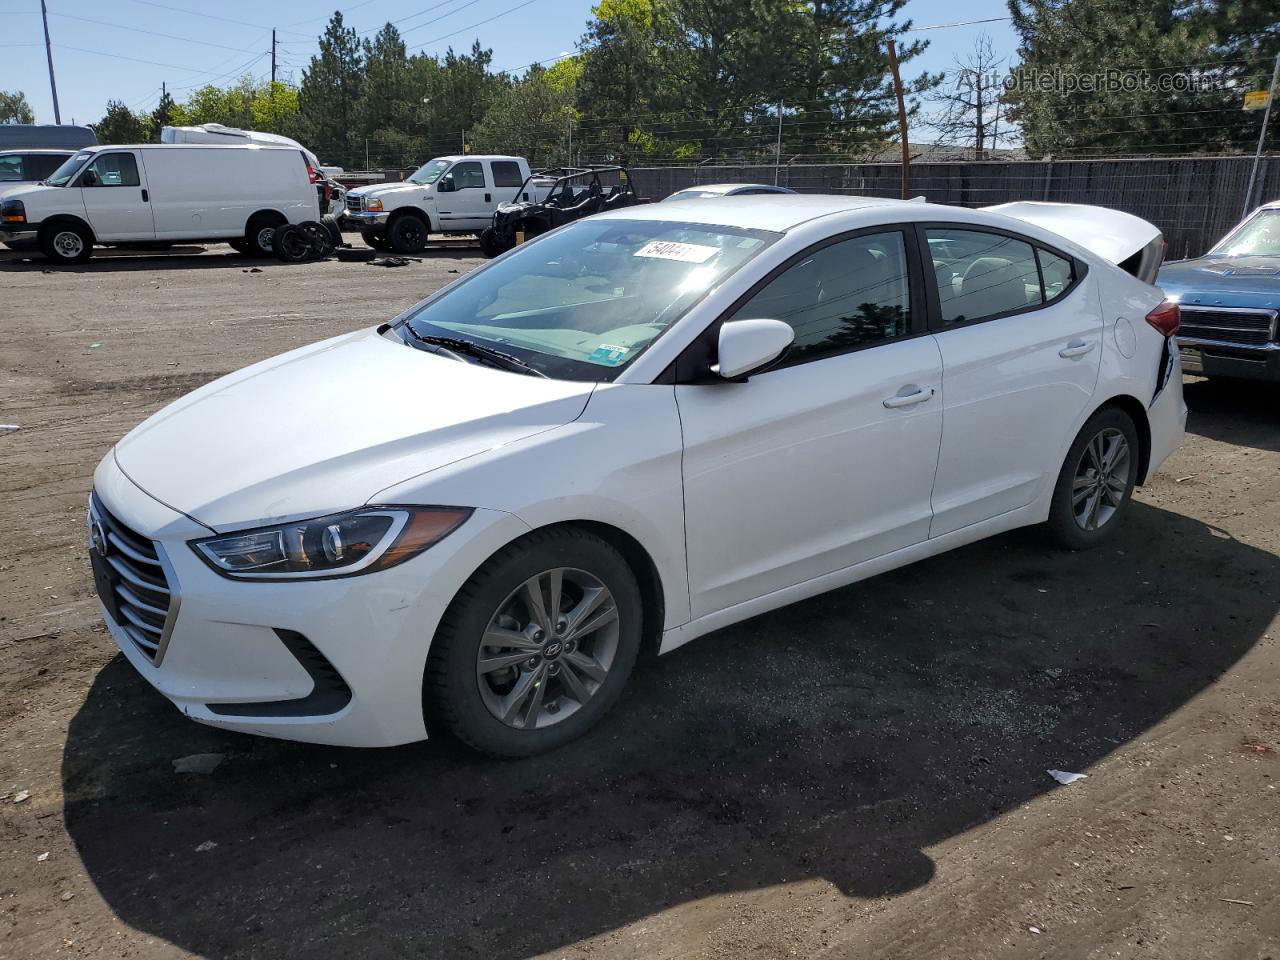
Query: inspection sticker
(671, 250)
(608, 355)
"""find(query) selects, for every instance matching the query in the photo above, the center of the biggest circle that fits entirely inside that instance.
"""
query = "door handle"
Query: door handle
(900, 399)
(1076, 348)
(488, 198)
(145, 197)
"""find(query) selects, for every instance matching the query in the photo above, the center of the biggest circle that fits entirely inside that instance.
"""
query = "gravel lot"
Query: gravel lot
(859, 775)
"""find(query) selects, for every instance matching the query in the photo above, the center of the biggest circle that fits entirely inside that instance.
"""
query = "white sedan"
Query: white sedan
(628, 432)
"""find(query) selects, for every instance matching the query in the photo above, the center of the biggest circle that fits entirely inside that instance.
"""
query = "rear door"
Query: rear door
(115, 197)
(1020, 331)
(469, 206)
(828, 459)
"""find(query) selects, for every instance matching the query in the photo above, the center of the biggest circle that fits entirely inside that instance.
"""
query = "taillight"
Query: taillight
(1165, 318)
(312, 175)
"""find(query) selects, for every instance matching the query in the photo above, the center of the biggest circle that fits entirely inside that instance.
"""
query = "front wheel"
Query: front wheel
(537, 646)
(1095, 484)
(66, 243)
(408, 234)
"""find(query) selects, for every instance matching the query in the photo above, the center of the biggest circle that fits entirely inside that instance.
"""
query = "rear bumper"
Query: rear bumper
(1167, 420)
(1218, 358)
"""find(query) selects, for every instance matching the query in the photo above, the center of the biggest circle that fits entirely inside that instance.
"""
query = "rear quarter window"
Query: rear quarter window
(506, 173)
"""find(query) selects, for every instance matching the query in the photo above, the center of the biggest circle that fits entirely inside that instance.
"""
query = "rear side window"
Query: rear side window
(115, 170)
(1057, 273)
(38, 166)
(982, 274)
(506, 173)
(469, 174)
(847, 295)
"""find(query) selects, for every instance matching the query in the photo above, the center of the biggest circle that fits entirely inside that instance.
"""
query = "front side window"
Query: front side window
(849, 294)
(115, 170)
(11, 168)
(506, 173)
(468, 175)
(982, 274)
(584, 301)
(1259, 237)
(62, 176)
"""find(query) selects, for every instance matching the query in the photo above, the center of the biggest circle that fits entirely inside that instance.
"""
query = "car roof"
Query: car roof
(778, 212)
(65, 151)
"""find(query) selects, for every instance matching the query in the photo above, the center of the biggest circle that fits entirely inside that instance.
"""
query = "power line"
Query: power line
(209, 16)
(480, 23)
(151, 63)
(152, 33)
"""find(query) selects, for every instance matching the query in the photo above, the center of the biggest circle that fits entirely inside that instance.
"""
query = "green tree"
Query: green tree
(329, 93)
(530, 118)
(162, 116)
(14, 108)
(120, 125)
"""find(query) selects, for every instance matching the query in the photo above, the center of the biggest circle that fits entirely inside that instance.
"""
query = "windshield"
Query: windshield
(430, 171)
(693, 195)
(584, 301)
(65, 172)
(1259, 237)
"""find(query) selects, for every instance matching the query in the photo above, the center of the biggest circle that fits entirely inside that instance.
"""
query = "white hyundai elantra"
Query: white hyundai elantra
(631, 431)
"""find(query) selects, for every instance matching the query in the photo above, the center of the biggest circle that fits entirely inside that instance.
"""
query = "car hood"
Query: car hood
(388, 189)
(1224, 281)
(325, 428)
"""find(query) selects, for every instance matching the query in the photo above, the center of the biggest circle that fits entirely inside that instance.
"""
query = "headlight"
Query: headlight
(373, 205)
(12, 211)
(340, 545)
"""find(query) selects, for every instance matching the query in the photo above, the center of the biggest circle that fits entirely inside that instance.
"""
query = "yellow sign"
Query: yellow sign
(1257, 100)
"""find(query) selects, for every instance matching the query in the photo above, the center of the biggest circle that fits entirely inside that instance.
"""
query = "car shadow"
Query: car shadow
(836, 738)
(1241, 412)
(217, 257)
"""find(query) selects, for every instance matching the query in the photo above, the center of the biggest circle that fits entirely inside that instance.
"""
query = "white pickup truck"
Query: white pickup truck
(450, 195)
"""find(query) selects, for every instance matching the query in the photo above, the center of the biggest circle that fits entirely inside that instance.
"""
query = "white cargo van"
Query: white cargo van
(159, 194)
(449, 195)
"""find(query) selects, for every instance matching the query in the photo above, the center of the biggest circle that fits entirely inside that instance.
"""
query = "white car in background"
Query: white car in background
(633, 430)
(710, 191)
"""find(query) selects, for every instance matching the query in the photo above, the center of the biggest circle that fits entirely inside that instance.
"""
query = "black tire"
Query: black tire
(291, 243)
(335, 230)
(1103, 505)
(408, 234)
(66, 243)
(452, 688)
(260, 233)
(489, 244)
(321, 239)
(375, 240)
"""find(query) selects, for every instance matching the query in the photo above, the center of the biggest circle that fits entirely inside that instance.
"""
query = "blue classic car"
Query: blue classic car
(1229, 300)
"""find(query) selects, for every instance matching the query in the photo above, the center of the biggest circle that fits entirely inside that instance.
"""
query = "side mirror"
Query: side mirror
(90, 179)
(747, 346)
(446, 184)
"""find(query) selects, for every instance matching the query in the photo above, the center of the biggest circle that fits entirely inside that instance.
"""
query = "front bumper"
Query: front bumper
(1219, 358)
(336, 661)
(364, 220)
(10, 232)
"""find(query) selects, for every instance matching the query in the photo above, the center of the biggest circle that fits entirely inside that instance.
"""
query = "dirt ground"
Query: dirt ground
(860, 775)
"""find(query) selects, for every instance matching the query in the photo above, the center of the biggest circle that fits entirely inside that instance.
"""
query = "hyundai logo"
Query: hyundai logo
(98, 536)
(552, 649)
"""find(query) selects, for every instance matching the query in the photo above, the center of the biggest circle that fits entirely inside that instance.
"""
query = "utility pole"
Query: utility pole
(273, 62)
(48, 52)
(1262, 134)
(777, 148)
(902, 120)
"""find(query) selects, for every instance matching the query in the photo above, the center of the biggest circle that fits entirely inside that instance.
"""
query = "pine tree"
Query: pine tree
(330, 90)
(120, 125)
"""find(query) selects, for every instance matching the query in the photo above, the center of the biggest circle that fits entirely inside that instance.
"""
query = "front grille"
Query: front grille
(353, 204)
(131, 580)
(1250, 328)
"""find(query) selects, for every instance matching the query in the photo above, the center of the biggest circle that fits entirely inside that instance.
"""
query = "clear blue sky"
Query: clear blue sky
(205, 43)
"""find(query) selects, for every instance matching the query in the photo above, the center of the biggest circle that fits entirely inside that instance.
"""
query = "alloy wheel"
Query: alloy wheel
(1101, 480)
(548, 648)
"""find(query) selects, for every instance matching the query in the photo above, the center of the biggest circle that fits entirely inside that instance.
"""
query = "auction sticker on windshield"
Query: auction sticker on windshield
(671, 250)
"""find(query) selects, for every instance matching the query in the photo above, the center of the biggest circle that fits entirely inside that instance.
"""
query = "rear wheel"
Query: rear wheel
(537, 646)
(408, 234)
(489, 244)
(291, 243)
(1095, 484)
(66, 243)
(260, 235)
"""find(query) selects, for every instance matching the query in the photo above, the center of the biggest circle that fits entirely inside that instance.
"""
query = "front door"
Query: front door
(115, 198)
(828, 459)
(1020, 332)
(470, 205)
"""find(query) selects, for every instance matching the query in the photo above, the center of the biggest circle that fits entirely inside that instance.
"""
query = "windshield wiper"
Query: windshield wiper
(495, 358)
